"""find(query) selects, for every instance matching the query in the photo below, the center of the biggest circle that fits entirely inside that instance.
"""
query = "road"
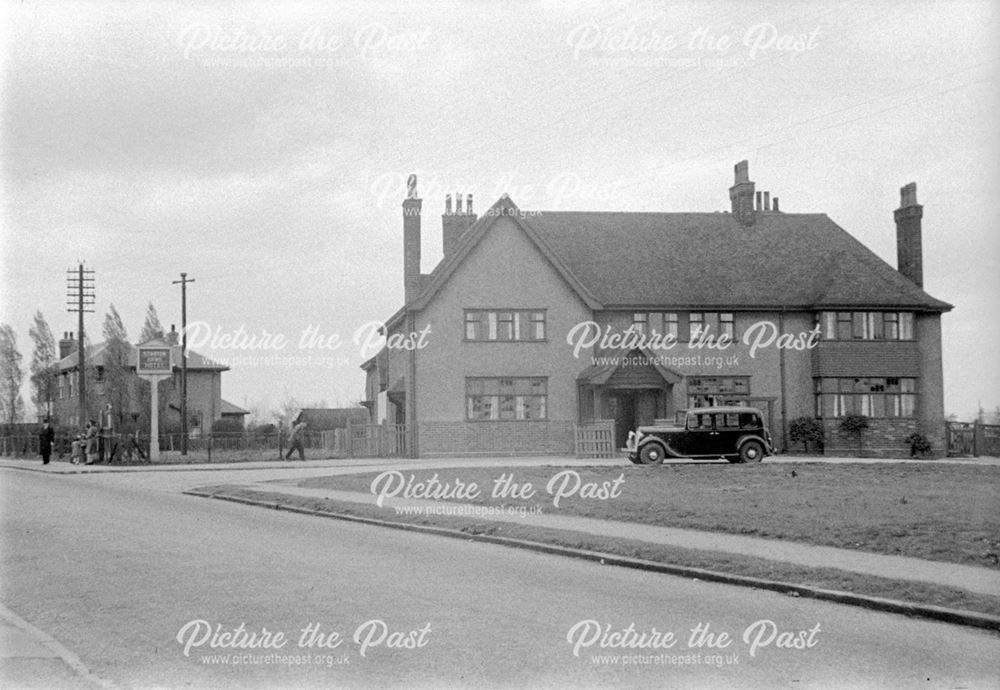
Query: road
(116, 566)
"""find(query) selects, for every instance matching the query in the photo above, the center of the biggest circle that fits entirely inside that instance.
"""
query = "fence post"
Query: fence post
(349, 441)
(977, 429)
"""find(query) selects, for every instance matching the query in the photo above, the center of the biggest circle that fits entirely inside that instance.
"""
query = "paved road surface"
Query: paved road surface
(114, 566)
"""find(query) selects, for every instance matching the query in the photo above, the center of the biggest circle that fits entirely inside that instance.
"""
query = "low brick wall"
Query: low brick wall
(442, 439)
(884, 438)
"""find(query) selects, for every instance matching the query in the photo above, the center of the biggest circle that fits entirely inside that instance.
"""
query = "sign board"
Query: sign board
(154, 360)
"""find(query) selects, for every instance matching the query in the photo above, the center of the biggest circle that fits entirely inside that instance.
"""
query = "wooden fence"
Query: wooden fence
(367, 440)
(595, 440)
(973, 439)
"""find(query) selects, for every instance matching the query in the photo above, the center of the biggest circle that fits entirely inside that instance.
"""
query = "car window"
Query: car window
(749, 421)
(730, 420)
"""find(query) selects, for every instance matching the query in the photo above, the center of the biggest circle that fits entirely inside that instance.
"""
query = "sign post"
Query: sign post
(155, 363)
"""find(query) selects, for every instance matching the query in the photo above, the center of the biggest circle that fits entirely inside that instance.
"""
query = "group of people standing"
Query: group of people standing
(84, 446)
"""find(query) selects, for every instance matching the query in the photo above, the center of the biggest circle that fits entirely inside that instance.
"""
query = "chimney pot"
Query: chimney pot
(759, 205)
(767, 201)
(776, 204)
(908, 195)
(447, 204)
(468, 204)
(741, 195)
(458, 203)
(742, 170)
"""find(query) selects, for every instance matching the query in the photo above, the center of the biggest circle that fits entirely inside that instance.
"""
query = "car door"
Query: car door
(700, 437)
(727, 427)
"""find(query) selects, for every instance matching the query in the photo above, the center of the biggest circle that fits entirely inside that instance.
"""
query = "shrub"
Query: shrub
(855, 424)
(918, 444)
(225, 425)
(806, 430)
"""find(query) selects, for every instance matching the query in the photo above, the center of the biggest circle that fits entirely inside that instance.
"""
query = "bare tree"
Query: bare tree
(44, 370)
(11, 376)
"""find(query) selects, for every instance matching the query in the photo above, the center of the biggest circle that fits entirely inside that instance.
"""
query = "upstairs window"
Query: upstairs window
(655, 323)
(866, 325)
(715, 324)
(508, 325)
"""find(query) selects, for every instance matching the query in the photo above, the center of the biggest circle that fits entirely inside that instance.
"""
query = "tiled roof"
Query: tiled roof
(701, 260)
(711, 260)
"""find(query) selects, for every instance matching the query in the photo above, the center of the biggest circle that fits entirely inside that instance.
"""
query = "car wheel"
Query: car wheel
(651, 454)
(751, 451)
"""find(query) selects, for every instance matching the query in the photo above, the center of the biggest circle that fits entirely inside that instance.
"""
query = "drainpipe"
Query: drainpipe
(411, 389)
(781, 376)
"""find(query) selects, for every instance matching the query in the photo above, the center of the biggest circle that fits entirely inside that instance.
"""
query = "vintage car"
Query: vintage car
(737, 434)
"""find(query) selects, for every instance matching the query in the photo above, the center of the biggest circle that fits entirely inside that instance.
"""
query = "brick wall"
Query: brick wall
(439, 439)
(884, 438)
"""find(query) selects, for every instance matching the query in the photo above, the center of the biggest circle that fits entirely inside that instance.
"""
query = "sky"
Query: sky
(263, 149)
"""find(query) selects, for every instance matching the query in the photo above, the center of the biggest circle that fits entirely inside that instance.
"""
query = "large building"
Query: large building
(536, 321)
(204, 388)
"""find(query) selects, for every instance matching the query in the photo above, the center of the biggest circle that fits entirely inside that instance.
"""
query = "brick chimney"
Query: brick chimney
(411, 241)
(909, 251)
(741, 194)
(454, 224)
(67, 345)
(172, 336)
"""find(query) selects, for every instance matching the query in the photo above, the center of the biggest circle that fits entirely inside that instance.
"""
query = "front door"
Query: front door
(623, 412)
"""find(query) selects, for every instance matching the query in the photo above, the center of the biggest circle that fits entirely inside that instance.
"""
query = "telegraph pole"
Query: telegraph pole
(184, 362)
(80, 296)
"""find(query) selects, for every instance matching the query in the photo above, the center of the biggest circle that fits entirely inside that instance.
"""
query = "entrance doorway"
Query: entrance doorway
(632, 408)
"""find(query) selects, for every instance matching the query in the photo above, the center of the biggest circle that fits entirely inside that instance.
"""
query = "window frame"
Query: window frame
(511, 325)
(507, 398)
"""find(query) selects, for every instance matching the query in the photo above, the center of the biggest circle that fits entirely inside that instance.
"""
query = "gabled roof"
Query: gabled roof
(700, 260)
(621, 260)
(471, 237)
(96, 355)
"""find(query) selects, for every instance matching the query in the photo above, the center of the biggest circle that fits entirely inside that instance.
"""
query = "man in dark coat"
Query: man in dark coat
(46, 437)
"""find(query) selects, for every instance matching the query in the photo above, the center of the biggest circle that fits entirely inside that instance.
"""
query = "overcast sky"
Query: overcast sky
(263, 149)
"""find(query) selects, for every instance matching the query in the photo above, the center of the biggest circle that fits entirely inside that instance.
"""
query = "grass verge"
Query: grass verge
(823, 578)
(936, 511)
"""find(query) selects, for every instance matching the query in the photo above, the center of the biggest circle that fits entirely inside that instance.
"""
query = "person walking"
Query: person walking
(46, 437)
(296, 437)
(91, 441)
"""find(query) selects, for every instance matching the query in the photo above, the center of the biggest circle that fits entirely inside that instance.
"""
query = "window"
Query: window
(705, 391)
(869, 396)
(715, 324)
(655, 322)
(520, 398)
(61, 386)
(640, 320)
(504, 326)
(697, 323)
(866, 325)
(670, 325)
(726, 325)
(473, 325)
